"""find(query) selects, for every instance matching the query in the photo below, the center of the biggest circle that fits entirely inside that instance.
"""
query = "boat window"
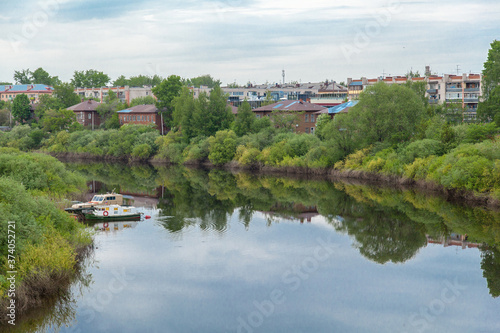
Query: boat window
(97, 198)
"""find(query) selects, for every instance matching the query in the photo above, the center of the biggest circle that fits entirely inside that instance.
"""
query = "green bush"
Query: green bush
(222, 147)
(142, 151)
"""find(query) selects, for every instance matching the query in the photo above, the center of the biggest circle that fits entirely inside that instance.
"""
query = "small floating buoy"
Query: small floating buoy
(147, 217)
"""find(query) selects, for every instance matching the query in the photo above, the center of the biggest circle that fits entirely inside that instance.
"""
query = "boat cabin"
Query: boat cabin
(105, 199)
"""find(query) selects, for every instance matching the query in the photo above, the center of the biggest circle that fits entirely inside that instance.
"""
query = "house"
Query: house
(33, 91)
(307, 113)
(86, 113)
(144, 114)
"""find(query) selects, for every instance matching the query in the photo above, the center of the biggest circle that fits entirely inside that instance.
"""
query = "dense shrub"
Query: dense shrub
(222, 147)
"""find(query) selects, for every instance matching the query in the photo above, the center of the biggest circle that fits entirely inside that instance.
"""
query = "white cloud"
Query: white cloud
(251, 40)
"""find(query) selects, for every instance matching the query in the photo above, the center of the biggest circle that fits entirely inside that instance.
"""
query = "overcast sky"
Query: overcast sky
(247, 40)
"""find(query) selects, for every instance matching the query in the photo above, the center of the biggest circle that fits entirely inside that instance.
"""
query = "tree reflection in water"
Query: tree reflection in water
(387, 225)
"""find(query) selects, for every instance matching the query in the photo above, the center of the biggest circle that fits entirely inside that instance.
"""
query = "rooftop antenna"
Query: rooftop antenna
(283, 74)
(383, 74)
(458, 69)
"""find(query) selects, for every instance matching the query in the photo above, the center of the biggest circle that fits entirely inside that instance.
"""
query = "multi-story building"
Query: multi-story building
(125, 94)
(33, 91)
(465, 89)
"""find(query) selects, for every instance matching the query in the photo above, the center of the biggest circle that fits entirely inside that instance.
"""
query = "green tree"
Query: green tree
(5, 83)
(40, 76)
(243, 123)
(386, 113)
(142, 100)
(121, 81)
(218, 116)
(65, 94)
(21, 108)
(491, 71)
(286, 120)
(184, 106)
(203, 80)
(222, 147)
(58, 120)
(165, 92)
(89, 78)
(23, 76)
(489, 108)
(269, 99)
(46, 103)
(321, 122)
(107, 109)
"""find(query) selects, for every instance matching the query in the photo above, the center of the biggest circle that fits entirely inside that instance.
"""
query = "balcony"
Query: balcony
(433, 101)
(453, 89)
(471, 89)
(432, 91)
(471, 100)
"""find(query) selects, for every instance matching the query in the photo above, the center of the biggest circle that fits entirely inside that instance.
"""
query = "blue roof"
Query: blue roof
(24, 87)
(277, 106)
(342, 107)
(124, 111)
(356, 83)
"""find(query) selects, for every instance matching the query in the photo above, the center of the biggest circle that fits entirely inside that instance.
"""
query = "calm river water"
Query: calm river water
(245, 253)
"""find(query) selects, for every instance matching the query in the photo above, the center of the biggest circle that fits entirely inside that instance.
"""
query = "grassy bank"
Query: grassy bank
(39, 241)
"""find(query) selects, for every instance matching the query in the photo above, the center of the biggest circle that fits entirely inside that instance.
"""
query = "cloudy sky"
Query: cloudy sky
(247, 40)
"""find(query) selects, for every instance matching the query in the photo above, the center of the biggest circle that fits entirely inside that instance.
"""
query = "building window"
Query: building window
(307, 118)
(258, 116)
(307, 129)
(312, 130)
(312, 118)
(90, 115)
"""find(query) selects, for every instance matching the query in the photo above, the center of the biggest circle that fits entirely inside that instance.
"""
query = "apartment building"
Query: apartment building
(33, 91)
(465, 89)
(125, 94)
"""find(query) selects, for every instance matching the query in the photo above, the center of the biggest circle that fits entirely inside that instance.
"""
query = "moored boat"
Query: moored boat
(111, 213)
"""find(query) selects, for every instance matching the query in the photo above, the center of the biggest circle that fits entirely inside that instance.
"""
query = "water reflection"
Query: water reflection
(386, 225)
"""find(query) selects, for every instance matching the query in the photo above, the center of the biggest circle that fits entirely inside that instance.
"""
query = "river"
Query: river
(229, 252)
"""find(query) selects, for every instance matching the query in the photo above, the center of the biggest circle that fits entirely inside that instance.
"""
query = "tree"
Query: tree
(40, 76)
(491, 71)
(65, 94)
(165, 92)
(142, 100)
(386, 114)
(489, 108)
(89, 78)
(244, 121)
(203, 80)
(107, 109)
(222, 147)
(321, 122)
(121, 81)
(138, 81)
(21, 108)
(420, 88)
(58, 120)
(46, 103)
(269, 99)
(286, 120)
(184, 106)
(5, 83)
(23, 76)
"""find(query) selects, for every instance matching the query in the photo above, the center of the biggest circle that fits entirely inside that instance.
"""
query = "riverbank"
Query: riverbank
(41, 246)
(454, 195)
